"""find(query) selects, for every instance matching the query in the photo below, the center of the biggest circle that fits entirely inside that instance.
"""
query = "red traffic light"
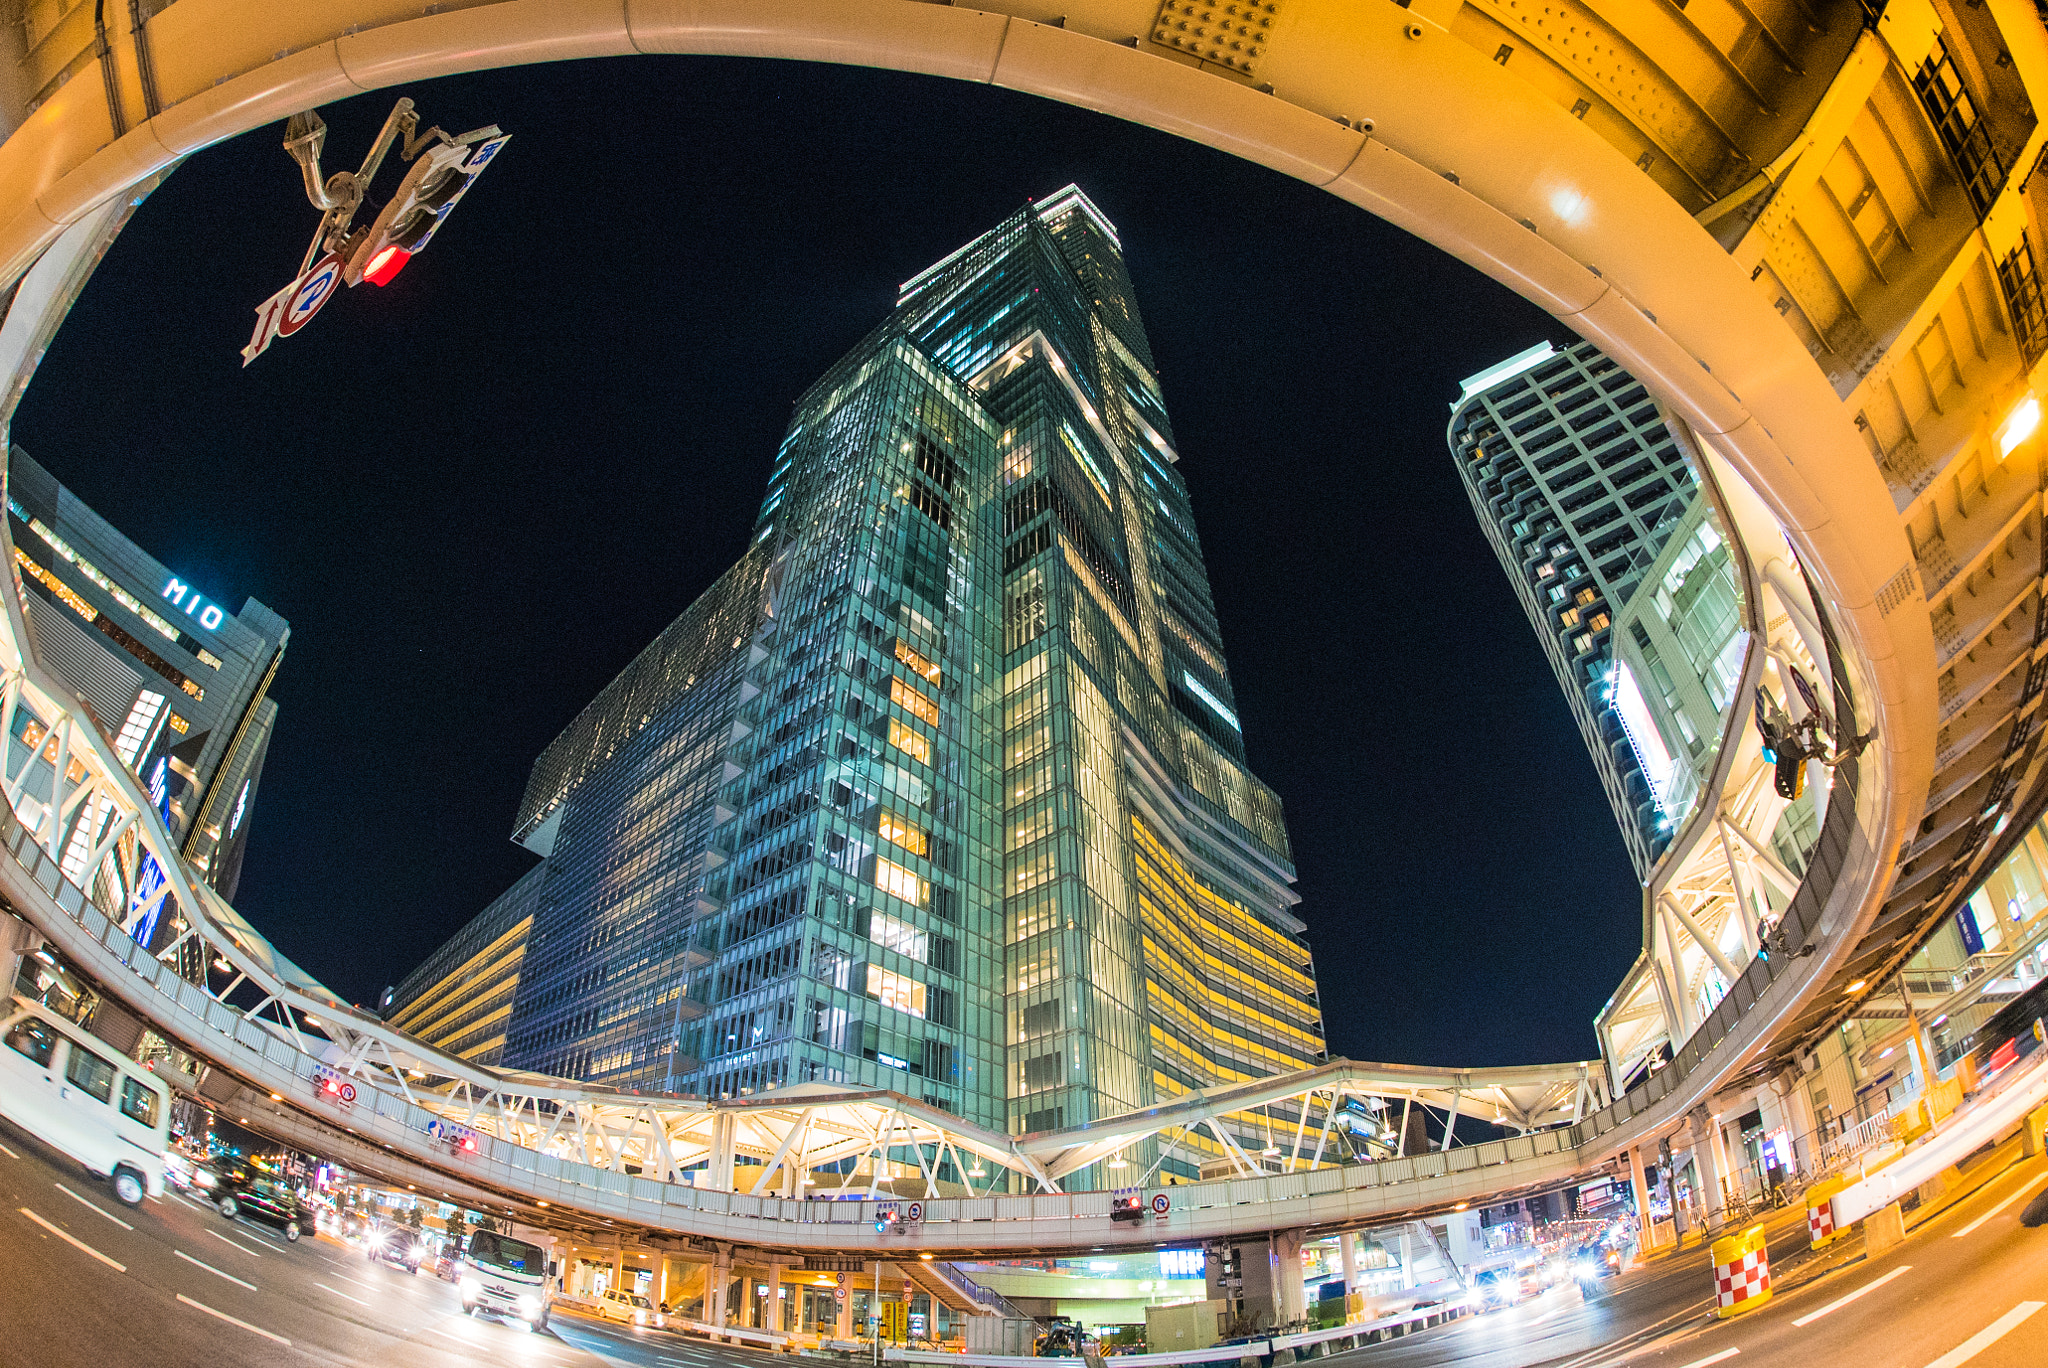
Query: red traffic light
(387, 263)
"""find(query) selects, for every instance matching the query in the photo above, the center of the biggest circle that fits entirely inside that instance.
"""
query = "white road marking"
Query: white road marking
(266, 1239)
(358, 1282)
(211, 1269)
(1972, 1226)
(234, 1244)
(252, 1329)
(94, 1205)
(1840, 1302)
(341, 1294)
(8, 1152)
(1721, 1357)
(73, 1240)
(1988, 1336)
(190, 1203)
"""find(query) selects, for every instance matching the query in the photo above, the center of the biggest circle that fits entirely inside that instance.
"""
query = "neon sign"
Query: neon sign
(185, 596)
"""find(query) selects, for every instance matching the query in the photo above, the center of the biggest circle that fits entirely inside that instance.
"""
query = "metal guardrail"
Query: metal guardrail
(1309, 1344)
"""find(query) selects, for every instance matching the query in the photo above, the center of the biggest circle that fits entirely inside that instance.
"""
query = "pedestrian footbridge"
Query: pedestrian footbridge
(1807, 226)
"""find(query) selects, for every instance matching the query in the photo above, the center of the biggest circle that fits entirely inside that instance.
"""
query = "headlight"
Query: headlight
(639, 1318)
(203, 1178)
(472, 1286)
(528, 1305)
(374, 1239)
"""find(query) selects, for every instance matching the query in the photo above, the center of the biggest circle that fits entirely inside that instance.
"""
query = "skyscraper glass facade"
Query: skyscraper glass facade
(942, 788)
(1579, 486)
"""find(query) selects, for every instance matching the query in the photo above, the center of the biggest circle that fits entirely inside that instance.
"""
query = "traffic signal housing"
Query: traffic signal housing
(439, 178)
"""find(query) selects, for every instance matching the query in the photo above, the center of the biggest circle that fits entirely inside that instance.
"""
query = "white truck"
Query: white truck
(506, 1277)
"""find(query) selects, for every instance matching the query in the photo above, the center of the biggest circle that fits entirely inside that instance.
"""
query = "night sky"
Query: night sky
(476, 494)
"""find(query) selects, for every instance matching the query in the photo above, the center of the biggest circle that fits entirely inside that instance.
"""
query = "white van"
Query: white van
(78, 1094)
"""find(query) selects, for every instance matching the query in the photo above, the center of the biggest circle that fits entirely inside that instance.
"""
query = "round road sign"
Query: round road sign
(914, 1212)
(838, 1294)
(1161, 1204)
(316, 287)
(348, 1092)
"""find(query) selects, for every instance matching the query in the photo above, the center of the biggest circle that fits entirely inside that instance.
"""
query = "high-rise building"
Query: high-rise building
(178, 682)
(1579, 486)
(941, 788)
(459, 1000)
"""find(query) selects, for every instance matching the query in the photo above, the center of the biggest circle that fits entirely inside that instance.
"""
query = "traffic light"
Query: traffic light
(440, 177)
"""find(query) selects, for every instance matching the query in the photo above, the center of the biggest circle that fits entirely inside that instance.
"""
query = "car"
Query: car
(397, 1246)
(79, 1095)
(630, 1307)
(1498, 1288)
(259, 1197)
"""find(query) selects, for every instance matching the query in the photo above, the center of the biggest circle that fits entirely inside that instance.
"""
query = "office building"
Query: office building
(942, 787)
(178, 682)
(459, 1000)
(1580, 487)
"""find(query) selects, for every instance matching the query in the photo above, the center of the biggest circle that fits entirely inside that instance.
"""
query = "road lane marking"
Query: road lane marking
(190, 1203)
(1988, 1336)
(1840, 1302)
(267, 1240)
(8, 1152)
(233, 1244)
(252, 1329)
(358, 1282)
(1721, 1357)
(341, 1294)
(211, 1269)
(94, 1205)
(73, 1240)
(1972, 1226)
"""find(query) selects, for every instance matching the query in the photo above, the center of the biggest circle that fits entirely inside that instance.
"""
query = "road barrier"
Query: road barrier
(1820, 1210)
(1742, 1272)
(1312, 1344)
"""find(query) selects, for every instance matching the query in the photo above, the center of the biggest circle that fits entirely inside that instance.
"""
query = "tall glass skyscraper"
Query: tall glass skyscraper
(1616, 556)
(941, 788)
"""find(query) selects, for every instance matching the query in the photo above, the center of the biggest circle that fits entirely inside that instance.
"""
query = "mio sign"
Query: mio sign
(183, 595)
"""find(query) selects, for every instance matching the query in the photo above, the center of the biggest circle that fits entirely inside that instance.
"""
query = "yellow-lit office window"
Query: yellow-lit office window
(891, 877)
(903, 696)
(916, 662)
(897, 828)
(895, 990)
(909, 741)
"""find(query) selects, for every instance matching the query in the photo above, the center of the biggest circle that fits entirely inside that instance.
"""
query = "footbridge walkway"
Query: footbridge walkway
(1810, 236)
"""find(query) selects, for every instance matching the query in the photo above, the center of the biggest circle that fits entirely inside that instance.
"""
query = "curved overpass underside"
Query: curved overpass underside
(1765, 213)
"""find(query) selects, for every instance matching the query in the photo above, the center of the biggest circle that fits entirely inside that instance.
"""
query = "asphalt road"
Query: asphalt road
(88, 1283)
(1969, 1287)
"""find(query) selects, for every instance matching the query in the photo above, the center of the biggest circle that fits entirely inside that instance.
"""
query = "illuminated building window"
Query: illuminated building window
(1569, 618)
(179, 724)
(1598, 622)
(916, 661)
(92, 572)
(903, 696)
(909, 741)
(112, 630)
(1586, 597)
(898, 829)
(895, 990)
(58, 587)
(894, 879)
(208, 658)
(893, 934)
(135, 732)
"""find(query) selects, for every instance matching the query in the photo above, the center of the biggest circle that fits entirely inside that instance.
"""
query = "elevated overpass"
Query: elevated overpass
(1808, 227)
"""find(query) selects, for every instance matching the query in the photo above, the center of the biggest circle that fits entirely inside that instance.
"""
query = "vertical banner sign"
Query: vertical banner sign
(291, 308)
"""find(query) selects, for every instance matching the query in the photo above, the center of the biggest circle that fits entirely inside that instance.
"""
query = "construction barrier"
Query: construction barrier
(1820, 1210)
(1742, 1272)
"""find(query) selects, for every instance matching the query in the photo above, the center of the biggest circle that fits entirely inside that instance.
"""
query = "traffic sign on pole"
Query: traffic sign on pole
(291, 308)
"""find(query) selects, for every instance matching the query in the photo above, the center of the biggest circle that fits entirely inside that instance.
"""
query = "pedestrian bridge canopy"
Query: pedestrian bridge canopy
(1809, 227)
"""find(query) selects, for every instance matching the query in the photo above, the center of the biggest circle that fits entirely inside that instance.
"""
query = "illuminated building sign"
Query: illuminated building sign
(189, 599)
(1182, 1263)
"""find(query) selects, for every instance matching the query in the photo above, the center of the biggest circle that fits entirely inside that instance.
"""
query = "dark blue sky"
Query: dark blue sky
(479, 492)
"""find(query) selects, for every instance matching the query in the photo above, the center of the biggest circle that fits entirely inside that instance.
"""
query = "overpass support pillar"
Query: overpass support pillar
(720, 1280)
(1347, 1250)
(1798, 1109)
(1644, 1156)
(1706, 1153)
(771, 1305)
(844, 1328)
(17, 938)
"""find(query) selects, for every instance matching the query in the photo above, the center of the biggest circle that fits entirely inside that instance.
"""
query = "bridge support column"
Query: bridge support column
(1290, 1293)
(844, 1328)
(17, 938)
(1706, 1155)
(720, 1279)
(1347, 1249)
(1644, 1157)
(771, 1305)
